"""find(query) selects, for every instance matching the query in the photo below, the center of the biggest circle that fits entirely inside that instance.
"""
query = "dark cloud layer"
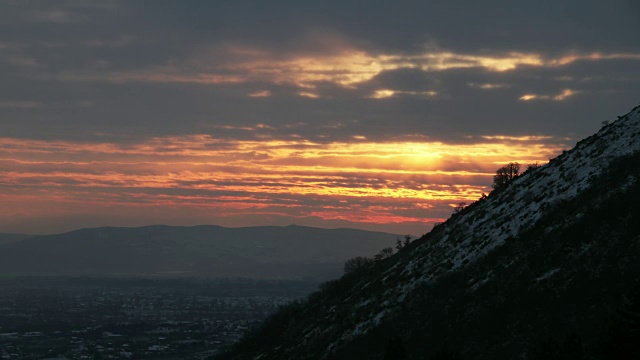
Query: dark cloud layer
(80, 68)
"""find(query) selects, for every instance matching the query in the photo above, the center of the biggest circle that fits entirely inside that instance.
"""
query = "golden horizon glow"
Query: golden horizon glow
(360, 181)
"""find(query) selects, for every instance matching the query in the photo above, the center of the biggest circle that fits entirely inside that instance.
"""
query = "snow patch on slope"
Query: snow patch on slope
(468, 237)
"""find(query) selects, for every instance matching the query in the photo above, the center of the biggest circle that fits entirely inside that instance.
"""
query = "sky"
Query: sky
(375, 115)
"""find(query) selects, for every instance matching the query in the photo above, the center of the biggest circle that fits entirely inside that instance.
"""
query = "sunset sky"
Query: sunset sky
(376, 115)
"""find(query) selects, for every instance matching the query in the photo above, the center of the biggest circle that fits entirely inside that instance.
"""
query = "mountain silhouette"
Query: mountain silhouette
(213, 251)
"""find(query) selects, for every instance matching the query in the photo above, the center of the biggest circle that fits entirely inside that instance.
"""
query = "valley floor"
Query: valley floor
(112, 318)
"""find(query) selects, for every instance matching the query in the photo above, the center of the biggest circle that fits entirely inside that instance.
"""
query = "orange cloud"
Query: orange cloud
(360, 181)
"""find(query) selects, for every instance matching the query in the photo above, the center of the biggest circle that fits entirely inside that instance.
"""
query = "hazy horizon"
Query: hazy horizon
(197, 225)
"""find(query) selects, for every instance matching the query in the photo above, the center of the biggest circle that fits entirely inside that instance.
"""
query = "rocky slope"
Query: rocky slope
(551, 254)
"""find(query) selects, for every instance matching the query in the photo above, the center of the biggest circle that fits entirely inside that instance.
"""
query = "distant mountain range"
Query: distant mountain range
(212, 251)
(9, 238)
(545, 267)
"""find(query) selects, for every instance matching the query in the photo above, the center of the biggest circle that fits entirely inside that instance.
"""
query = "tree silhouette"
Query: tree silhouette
(356, 263)
(384, 254)
(533, 166)
(505, 174)
(459, 207)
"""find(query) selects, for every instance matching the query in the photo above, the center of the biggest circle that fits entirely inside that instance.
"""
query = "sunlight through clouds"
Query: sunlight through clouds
(566, 93)
(360, 181)
(346, 66)
(236, 114)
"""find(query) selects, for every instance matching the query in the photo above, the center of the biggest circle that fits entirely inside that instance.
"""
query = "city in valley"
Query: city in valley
(118, 318)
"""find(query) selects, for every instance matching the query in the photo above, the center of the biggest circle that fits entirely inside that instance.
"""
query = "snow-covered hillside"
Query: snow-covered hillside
(476, 233)
(348, 310)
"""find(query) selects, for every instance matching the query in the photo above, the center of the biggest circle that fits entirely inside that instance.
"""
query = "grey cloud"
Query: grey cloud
(19, 104)
(133, 37)
(175, 30)
(404, 79)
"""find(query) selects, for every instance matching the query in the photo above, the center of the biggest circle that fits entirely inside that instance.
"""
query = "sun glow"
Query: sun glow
(359, 181)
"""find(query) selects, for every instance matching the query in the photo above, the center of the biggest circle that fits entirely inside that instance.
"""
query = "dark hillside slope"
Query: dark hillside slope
(553, 254)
